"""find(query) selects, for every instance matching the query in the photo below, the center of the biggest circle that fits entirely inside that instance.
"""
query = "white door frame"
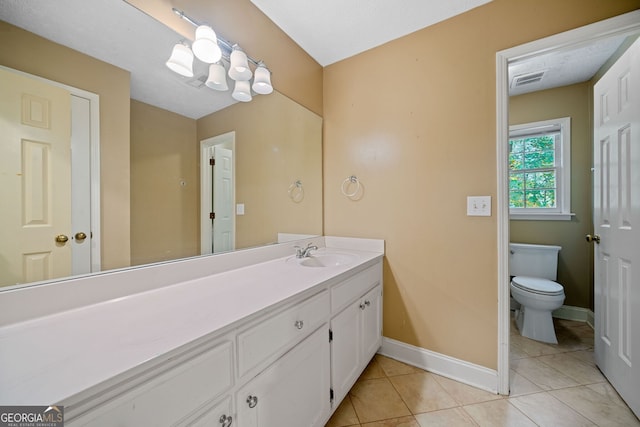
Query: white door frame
(625, 24)
(229, 140)
(94, 147)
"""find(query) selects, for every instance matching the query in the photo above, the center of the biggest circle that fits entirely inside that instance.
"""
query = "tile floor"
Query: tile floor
(551, 385)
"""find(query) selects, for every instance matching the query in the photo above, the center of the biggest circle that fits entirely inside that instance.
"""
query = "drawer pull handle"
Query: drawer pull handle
(299, 324)
(226, 420)
(367, 302)
(362, 306)
(252, 401)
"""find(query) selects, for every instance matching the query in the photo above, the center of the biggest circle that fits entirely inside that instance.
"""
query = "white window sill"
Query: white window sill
(541, 216)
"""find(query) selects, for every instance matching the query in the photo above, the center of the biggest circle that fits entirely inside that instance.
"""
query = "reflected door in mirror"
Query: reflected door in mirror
(36, 180)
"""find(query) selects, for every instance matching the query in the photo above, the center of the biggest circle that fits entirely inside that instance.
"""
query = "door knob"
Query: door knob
(61, 238)
(594, 238)
(80, 236)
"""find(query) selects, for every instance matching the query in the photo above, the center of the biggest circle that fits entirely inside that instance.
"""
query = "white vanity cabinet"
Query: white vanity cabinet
(292, 392)
(288, 363)
(356, 330)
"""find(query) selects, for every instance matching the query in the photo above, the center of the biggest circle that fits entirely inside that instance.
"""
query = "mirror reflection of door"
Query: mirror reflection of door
(217, 194)
(36, 239)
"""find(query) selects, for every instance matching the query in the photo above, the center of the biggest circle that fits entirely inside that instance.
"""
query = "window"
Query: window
(539, 170)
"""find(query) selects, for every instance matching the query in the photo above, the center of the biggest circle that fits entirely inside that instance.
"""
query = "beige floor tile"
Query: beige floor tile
(344, 416)
(533, 348)
(519, 385)
(547, 411)
(544, 376)
(377, 399)
(395, 422)
(585, 356)
(422, 393)
(454, 417)
(372, 371)
(580, 372)
(498, 413)
(393, 367)
(599, 403)
(465, 394)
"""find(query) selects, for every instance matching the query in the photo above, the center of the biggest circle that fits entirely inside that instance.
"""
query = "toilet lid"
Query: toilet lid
(537, 285)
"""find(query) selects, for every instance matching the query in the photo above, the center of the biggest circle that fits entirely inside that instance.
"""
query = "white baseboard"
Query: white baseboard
(579, 314)
(450, 367)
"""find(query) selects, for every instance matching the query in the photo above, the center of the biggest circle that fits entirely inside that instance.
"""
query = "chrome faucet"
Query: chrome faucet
(305, 252)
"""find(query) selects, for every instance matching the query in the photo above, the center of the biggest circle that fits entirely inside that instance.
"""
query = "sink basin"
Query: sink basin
(329, 259)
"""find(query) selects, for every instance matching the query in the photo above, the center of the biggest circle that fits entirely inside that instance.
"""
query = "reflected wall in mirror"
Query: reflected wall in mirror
(163, 199)
(277, 142)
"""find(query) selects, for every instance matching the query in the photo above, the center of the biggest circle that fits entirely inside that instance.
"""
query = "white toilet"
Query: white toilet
(534, 270)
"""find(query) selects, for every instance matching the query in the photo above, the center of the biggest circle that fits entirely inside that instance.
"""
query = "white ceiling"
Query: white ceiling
(332, 30)
(329, 30)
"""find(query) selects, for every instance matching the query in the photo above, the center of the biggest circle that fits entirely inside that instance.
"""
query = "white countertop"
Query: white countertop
(48, 359)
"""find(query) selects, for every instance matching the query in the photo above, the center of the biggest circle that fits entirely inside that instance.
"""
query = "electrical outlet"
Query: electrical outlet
(479, 206)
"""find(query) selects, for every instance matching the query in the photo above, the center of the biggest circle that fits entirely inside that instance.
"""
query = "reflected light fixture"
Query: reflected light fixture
(262, 80)
(181, 60)
(205, 47)
(242, 91)
(213, 49)
(217, 77)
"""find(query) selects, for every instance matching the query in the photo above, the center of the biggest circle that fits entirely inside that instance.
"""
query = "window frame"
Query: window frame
(562, 167)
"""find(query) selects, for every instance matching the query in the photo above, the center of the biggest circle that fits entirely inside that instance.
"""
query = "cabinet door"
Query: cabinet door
(218, 415)
(293, 391)
(372, 323)
(346, 349)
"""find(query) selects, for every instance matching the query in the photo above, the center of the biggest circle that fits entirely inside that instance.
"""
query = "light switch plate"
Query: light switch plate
(479, 206)
(240, 209)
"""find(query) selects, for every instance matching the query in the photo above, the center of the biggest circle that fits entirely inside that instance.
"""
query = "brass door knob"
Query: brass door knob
(61, 238)
(80, 236)
(594, 238)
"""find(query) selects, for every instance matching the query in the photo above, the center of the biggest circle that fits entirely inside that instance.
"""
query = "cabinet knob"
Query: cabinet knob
(299, 324)
(367, 303)
(226, 420)
(252, 401)
(362, 306)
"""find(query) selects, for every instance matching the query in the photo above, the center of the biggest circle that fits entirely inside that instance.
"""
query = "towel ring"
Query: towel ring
(347, 183)
(296, 191)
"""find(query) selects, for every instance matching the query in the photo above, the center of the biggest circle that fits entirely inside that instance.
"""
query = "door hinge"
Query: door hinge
(331, 395)
(212, 161)
(330, 335)
(212, 215)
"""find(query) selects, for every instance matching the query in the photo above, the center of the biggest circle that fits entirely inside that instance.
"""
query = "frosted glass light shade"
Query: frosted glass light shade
(242, 91)
(217, 78)
(181, 60)
(262, 80)
(239, 69)
(205, 47)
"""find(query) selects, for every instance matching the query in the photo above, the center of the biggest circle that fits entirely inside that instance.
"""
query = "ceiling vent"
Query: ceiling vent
(525, 79)
(197, 81)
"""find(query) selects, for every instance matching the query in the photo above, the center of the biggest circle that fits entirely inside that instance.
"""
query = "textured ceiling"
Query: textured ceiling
(115, 32)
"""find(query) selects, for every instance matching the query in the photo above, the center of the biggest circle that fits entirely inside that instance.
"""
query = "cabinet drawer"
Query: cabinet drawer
(171, 394)
(276, 333)
(218, 415)
(348, 291)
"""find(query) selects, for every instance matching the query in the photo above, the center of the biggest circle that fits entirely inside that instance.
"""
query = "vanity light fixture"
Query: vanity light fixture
(212, 49)
(181, 60)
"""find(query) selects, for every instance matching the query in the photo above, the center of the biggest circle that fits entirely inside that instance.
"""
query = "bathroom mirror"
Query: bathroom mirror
(277, 144)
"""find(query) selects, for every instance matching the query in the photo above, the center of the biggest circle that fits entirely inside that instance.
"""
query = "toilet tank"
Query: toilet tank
(533, 260)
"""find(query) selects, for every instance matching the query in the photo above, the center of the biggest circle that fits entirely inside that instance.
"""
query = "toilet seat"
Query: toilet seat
(537, 285)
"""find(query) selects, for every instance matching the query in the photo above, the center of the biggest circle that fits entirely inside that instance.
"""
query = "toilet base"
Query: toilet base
(536, 324)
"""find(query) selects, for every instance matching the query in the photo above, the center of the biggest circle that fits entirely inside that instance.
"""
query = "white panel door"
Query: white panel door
(617, 222)
(35, 188)
(223, 200)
